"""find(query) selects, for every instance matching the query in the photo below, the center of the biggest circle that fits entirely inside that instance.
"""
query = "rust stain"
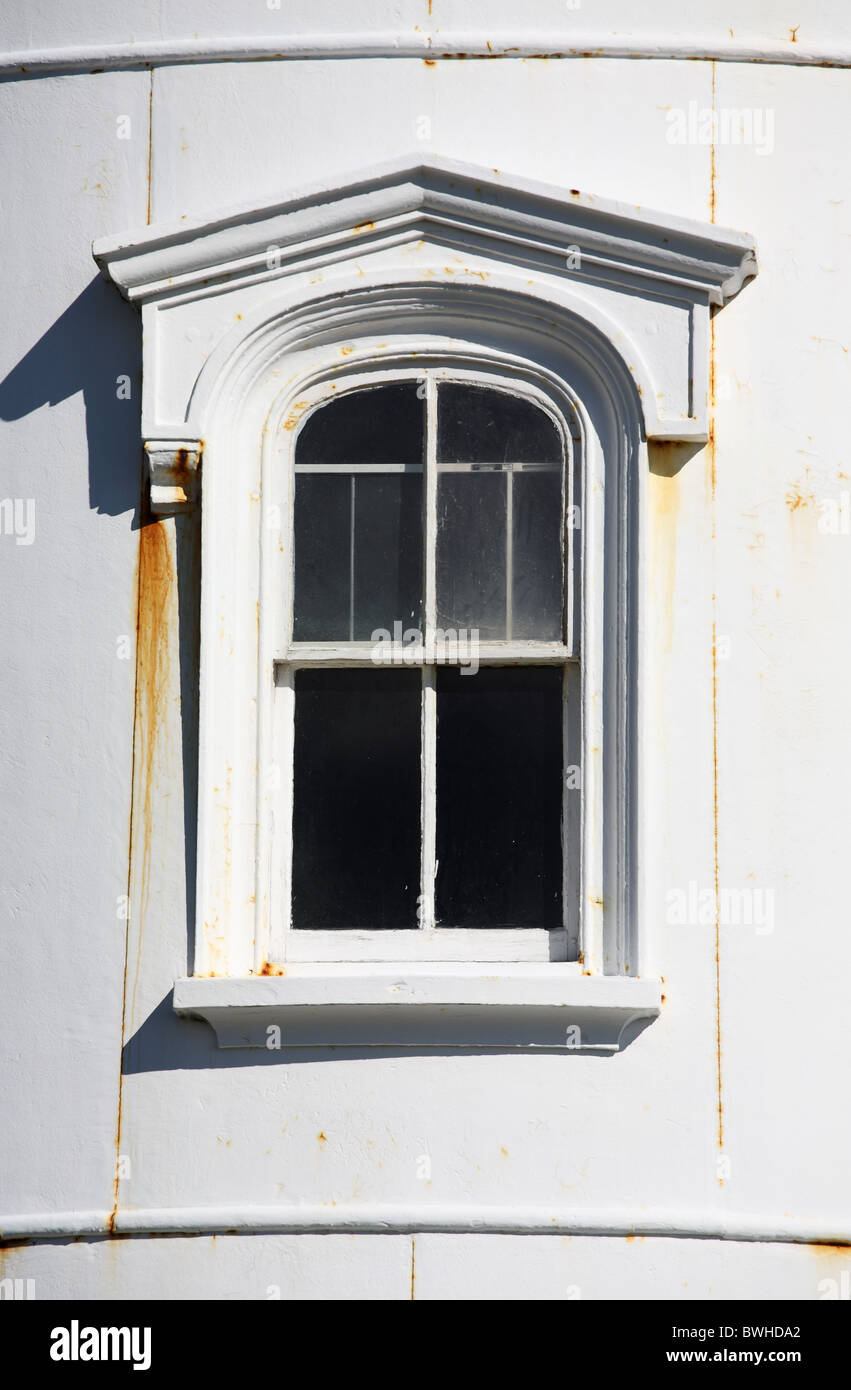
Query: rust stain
(429, 62)
(793, 34)
(796, 497)
(270, 969)
(322, 1137)
(666, 458)
(413, 1268)
(150, 141)
(155, 582)
(716, 873)
(295, 415)
(363, 226)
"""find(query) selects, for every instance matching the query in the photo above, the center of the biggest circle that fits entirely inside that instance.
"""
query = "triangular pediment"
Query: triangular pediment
(446, 203)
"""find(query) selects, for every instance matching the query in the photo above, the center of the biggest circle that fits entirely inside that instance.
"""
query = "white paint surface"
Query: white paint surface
(231, 1131)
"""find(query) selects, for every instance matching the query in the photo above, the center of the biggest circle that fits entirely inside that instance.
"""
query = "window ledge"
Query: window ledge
(522, 1006)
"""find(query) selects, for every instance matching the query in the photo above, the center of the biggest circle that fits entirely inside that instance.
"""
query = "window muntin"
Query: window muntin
(401, 589)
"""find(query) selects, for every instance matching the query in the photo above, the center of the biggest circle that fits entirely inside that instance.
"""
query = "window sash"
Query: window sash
(426, 940)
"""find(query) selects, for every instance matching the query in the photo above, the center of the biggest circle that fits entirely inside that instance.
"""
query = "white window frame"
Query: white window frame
(600, 307)
(426, 942)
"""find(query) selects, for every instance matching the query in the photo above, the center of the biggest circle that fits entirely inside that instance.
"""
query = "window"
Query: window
(395, 400)
(423, 662)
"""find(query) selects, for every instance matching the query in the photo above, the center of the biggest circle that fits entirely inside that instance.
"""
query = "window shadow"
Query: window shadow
(167, 1042)
(95, 348)
(94, 342)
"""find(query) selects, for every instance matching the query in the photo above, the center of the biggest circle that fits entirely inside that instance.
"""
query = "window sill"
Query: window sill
(548, 1006)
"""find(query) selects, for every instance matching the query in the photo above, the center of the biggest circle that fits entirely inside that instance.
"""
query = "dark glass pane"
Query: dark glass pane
(536, 560)
(499, 797)
(380, 424)
(366, 526)
(356, 812)
(388, 552)
(322, 524)
(478, 425)
(471, 522)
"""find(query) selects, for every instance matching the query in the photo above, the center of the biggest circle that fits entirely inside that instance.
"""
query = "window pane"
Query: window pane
(388, 552)
(380, 424)
(537, 556)
(471, 520)
(359, 534)
(500, 533)
(323, 525)
(363, 529)
(499, 797)
(476, 424)
(356, 806)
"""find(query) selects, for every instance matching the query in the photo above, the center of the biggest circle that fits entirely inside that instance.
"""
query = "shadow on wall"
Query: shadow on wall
(167, 1042)
(95, 347)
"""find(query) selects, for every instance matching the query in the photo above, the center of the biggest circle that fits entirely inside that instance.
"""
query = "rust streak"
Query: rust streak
(413, 1268)
(157, 582)
(150, 141)
(716, 876)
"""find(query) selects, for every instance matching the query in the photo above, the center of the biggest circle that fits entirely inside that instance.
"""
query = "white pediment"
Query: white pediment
(645, 281)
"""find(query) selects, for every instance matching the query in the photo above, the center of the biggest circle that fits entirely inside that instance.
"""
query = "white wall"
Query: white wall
(747, 764)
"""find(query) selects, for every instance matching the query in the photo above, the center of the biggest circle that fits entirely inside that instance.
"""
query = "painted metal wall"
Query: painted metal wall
(728, 1116)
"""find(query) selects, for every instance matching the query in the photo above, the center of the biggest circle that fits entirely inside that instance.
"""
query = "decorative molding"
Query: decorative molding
(414, 1218)
(507, 218)
(448, 45)
(174, 470)
(379, 1005)
(645, 280)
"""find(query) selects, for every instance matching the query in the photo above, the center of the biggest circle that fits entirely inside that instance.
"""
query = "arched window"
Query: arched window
(425, 652)
(422, 401)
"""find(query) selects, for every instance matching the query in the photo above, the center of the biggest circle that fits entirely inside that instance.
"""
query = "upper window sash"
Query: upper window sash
(426, 630)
